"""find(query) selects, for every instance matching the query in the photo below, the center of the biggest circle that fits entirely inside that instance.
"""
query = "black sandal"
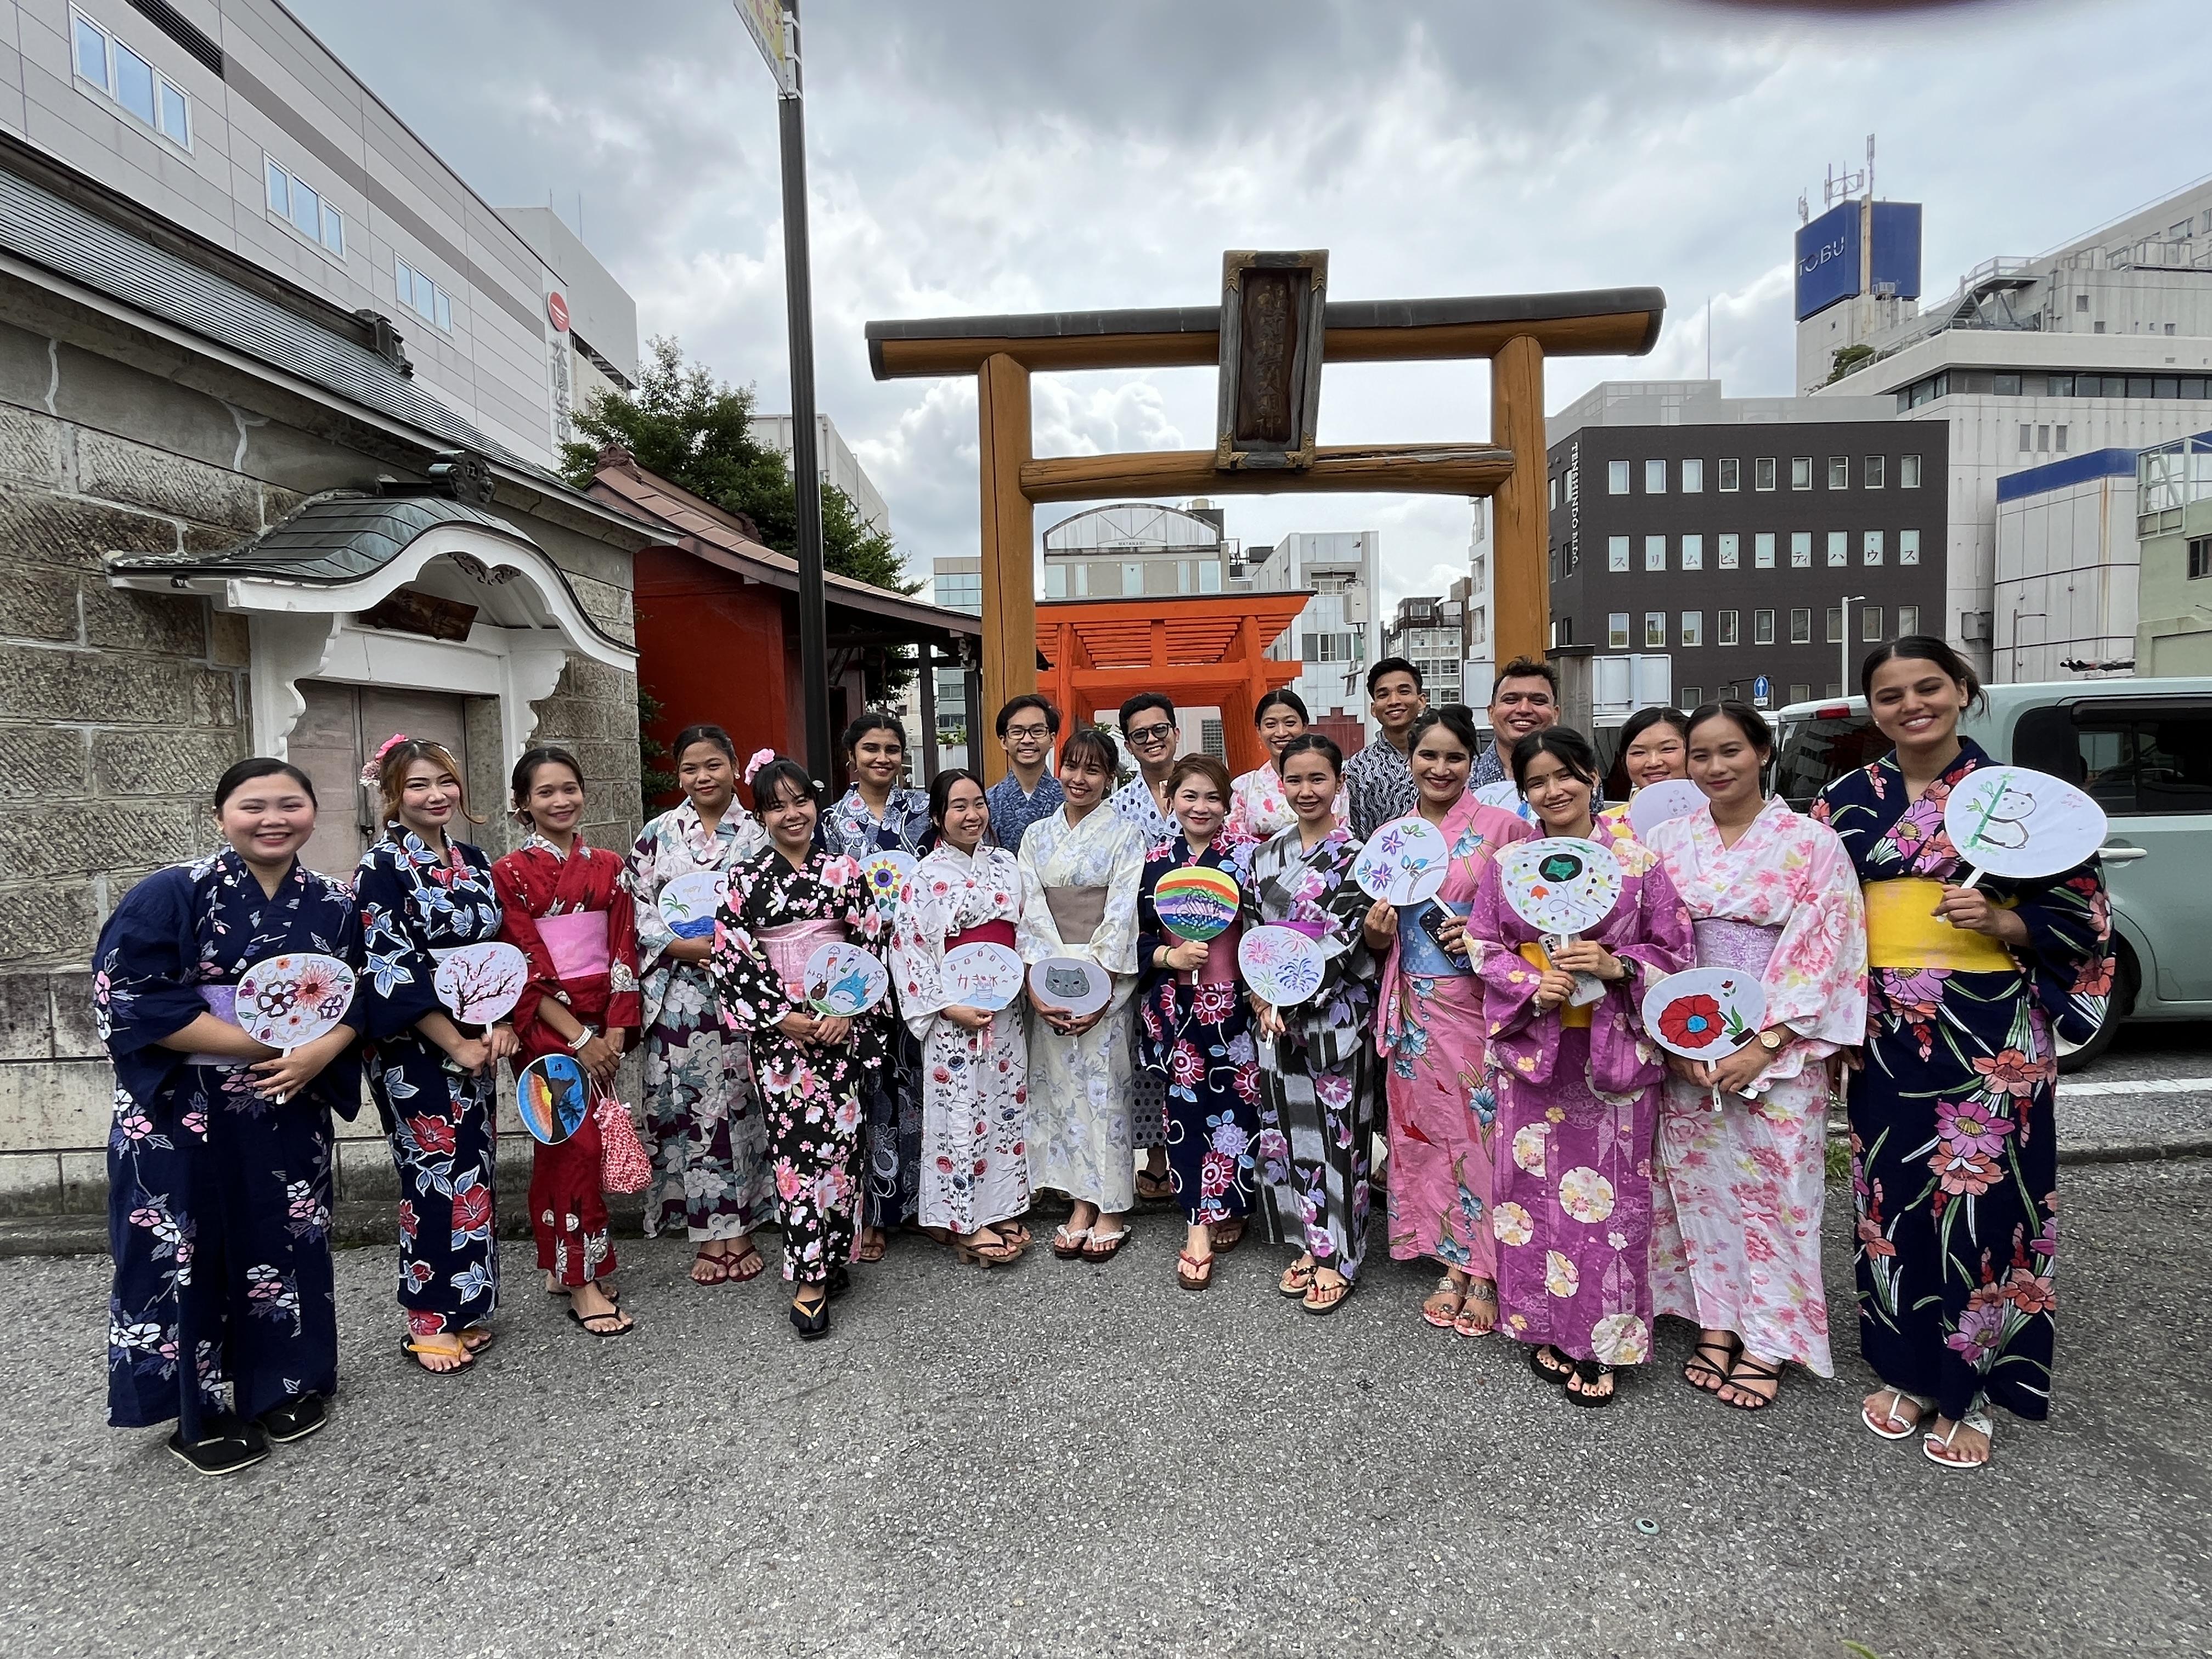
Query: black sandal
(814, 1321)
(585, 1321)
(1587, 1372)
(1729, 1351)
(1751, 1371)
(1549, 1363)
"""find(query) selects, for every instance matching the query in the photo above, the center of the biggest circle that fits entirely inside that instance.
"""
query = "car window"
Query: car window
(2146, 762)
(1816, 752)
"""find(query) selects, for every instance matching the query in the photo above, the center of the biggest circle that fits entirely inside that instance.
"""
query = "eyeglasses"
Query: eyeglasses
(1018, 732)
(1149, 735)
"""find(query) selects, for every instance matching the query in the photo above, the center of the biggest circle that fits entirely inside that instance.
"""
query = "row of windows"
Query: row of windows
(136, 87)
(1728, 550)
(1689, 697)
(1335, 646)
(301, 206)
(1728, 475)
(2200, 558)
(1929, 388)
(432, 303)
(1690, 629)
(1136, 577)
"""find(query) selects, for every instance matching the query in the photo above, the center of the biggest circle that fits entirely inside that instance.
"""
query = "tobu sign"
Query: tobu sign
(557, 309)
(1828, 259)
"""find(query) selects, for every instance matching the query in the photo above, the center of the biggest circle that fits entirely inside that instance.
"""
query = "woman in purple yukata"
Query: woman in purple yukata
(1578, 1091)
(219, 1159)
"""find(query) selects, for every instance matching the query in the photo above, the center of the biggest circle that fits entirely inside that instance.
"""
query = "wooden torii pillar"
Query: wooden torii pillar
(1515, 332)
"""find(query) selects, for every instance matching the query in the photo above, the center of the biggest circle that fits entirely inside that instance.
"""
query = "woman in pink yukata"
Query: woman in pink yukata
(1578, 1091)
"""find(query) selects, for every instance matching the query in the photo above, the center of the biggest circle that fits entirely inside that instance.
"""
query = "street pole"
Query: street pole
(806, 465)
(1844, 647)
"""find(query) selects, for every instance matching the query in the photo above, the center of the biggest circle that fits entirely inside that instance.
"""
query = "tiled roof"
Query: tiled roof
(339, 536)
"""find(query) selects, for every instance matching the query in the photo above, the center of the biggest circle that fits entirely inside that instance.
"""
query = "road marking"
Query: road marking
(2167, 1085)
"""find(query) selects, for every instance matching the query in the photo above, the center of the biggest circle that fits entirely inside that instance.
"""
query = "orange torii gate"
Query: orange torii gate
(1205, 650)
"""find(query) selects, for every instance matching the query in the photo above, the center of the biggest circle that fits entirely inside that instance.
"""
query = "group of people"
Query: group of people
(1568, 1179)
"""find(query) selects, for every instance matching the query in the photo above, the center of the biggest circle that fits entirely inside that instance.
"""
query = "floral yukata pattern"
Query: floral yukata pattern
(219, 1198)
(414, 901)
(1954, 1161)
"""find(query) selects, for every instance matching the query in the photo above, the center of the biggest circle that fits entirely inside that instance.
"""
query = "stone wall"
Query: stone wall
(119, 709)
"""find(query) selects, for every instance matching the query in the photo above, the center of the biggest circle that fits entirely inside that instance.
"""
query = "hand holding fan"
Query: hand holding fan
(688, 904)
(2023, 825)
(1705, 1014)
(290, 1001)
(1404, 862)
(1561, 885)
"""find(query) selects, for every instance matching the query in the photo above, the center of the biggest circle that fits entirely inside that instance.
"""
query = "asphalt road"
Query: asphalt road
(1068, 1459)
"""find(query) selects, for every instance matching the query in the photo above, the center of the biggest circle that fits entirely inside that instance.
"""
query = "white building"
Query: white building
(2067, 564)
(1331, 639)
(231, 121)
(1429, 633)
(2104, 344)
(840, 467)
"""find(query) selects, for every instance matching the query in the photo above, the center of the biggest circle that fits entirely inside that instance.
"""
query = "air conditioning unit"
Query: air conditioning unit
(1974, 627)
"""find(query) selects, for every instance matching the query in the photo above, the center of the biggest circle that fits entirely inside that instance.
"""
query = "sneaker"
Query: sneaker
(296, 1420)
(227, 1446)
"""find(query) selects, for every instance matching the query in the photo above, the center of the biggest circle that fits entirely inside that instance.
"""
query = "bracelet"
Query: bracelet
(576, 1042)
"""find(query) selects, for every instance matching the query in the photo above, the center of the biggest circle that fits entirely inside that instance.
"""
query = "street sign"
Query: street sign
(765, 19)
(1762, 690)
(556, 308)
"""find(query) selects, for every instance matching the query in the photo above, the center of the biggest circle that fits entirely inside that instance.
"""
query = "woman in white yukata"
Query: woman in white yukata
(1080, 869)
(1735, 1240)
(975, 1064)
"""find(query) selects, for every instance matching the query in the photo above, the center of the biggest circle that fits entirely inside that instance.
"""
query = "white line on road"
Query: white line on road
(2163, 1085)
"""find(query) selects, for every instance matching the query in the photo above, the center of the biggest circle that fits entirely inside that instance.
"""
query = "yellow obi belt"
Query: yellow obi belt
(1902, 930)
(1572, 1018)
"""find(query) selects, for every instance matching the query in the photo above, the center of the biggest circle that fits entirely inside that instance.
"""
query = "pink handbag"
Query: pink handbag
(623, 1166)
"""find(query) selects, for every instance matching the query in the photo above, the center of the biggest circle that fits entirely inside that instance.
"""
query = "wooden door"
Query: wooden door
(340, 727)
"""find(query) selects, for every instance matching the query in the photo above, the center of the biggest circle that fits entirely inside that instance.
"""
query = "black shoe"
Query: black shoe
(840, 1281)
(811, 1325)
(296, 1420)
(226, 1447)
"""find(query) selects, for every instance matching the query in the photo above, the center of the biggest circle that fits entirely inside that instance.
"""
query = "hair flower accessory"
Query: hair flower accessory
(760, 757)
(368, 773)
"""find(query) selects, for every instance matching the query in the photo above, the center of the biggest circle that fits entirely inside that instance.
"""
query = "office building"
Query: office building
(2104, 344)
(955, 584)
(2065, 589)
(1427, 631)
(1332, 638)
(840, 468)
(1736, 532)
(2174, 490)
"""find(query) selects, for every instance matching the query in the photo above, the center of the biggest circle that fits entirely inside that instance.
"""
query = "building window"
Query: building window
(1835, 624)
(1870, 548)
(2059, 439)
(1727, 552)
(2200, 558)
(1762, 475)
(1908, 547)
(1616, 631)
(134, 85)
(1801, 550)
(1616, 552)
(1655, 552)
(1555, 492)
(1908, 620)
(1655, 630)
(1801, 627)
(1691, 696)
(1729, 472)
(2004, 385)
(1616, 478)
(2062, 385)
(1571, 482)
(435, 305)
(1908, 473)
(1800, 692)
(1762, 627)
(1870, 624)
(1209, 576)
(1876, 467)
(1693, 477)
(1724, 628)
(1839, 472)
(1762, 550)
(2026, 438)
(302, 207)
(1693, 628)
(2081, 302)
(1693, 552)
(1055, 583)
(1655, 477)
(1801, 472)
(1839, 548)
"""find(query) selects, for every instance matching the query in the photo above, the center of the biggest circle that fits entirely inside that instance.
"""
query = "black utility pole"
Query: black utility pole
(806, 462)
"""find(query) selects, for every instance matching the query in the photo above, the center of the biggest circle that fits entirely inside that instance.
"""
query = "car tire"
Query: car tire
(2079, 1056)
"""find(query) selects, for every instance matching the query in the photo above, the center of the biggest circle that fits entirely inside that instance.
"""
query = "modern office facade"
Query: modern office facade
(1735, 534)
(1331, 639)
(1136, 548)
(2067, 568)
(2105, 344)
(2173, 495)
(1427, 631)
(955, 584)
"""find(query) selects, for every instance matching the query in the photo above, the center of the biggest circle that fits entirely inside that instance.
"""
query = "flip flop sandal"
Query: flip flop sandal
(412, 1349)
(1227, 1236)
(1102, 1247)
(1587, 1372)
(1443, 1319)
(999, 1254)
(871, 1250)
(1154, 1189)
(1472, 1299)
(739, 1273)
(1980, 1422)
(1729, 1351)
(481, 1341)
(1897, 1397)
(1201, 1277)
(717, 1267)
(1549, 1363)
(1068, 1241)
(1296, 1280)
(585, 1321)
(1750, 1370)
(1334, 1297)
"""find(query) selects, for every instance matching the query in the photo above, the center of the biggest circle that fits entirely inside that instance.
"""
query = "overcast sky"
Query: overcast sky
(1002, 155)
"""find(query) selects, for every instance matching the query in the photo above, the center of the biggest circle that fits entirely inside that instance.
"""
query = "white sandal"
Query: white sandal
(1068, 1241)
(1979, 1423)
(1896, 1395)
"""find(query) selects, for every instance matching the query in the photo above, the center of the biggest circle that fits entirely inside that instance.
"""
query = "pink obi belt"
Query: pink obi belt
(1220, 965)
(577, 942)
(983, 933)
(788, 946)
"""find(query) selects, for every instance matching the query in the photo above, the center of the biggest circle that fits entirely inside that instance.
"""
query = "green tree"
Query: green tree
(1846, 359)
(696, 431)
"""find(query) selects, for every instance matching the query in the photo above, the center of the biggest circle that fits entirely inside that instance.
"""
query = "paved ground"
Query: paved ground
(1065, 1460)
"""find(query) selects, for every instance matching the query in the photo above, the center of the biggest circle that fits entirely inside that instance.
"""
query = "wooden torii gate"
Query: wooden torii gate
(1279, 330)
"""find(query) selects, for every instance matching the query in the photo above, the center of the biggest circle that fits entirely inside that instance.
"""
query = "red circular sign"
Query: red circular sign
(557, 309)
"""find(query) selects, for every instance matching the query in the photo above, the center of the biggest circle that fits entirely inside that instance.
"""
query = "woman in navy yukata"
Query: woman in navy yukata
(219, 1159)
(420, 892)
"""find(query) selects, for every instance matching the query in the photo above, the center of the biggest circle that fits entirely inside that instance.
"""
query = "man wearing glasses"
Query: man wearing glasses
(1148, 724)
(1027, 726)
(1379, 779)
(1525, 699)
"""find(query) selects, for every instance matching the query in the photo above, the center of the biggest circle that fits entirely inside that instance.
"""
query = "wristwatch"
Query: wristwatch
(1772, 1040)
